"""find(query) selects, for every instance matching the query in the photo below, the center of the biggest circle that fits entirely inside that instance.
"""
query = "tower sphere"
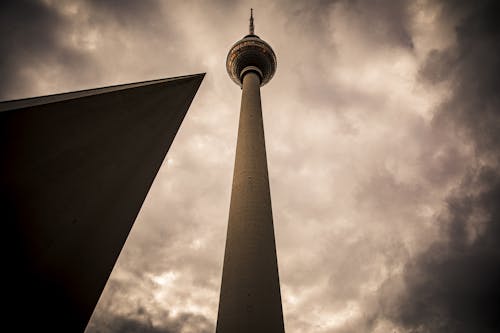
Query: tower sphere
(251, 54)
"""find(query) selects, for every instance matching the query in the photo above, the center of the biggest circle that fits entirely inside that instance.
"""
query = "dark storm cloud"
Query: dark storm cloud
(473, 68)
(384, 21)
(127, 11)
(381, 25)
(41, 40)
(119, 324)
(30, 36)
(453, 286)
(112, 323)
(129, 14)
(140, 318)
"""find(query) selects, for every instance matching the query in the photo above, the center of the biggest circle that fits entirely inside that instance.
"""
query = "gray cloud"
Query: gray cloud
(112, 323)
(124, 325)
(140, 322)
(138, 13)
(453, 286)
(384, 21)
(140, 316)
(32, 38)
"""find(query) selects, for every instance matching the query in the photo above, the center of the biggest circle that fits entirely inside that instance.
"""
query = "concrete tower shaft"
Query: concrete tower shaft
(250, 298)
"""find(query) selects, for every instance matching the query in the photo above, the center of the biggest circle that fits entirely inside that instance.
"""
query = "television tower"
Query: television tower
(250, 298)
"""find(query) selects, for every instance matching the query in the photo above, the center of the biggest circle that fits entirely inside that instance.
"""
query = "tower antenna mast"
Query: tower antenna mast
(252, 29)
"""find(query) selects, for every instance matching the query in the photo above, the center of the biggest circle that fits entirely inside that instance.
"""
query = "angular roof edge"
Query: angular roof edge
(53, 98)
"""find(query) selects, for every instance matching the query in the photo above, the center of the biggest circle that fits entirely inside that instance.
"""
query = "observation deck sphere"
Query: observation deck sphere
(251, 51)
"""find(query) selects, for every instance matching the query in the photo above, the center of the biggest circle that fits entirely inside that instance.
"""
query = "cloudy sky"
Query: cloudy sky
(383, 136)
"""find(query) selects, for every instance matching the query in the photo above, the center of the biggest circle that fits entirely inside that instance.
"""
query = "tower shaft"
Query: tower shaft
(250, 298)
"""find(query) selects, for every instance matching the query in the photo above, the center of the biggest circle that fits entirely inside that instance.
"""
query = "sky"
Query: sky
(382, 129)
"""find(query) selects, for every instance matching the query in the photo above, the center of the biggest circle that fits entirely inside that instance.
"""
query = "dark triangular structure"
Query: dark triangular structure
(75, 169)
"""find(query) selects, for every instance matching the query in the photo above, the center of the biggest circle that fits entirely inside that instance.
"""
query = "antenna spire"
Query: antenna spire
(251, 22)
